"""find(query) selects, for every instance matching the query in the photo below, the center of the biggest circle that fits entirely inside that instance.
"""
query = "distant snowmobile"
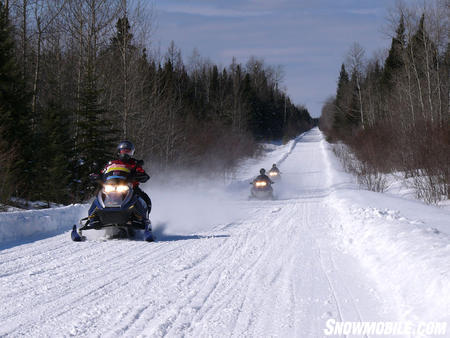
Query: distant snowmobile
(116, 207)
(274, 173)
(275, 176)
(262, 186)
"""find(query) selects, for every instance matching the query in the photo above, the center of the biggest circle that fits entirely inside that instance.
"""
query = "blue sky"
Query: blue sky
(309, 39)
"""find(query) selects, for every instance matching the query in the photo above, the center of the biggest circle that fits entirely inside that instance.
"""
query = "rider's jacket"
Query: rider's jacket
(123, 169)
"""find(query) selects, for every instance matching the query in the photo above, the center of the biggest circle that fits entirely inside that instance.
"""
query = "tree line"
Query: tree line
(393, 110)
(78, 76)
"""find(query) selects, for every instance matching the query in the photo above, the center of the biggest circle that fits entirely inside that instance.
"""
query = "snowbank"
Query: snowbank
(22, 224)
(403, 243)
(407, 257)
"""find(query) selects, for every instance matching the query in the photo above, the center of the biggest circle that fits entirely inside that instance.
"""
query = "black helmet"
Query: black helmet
(262, 171)
(274, 165)
(125, 150)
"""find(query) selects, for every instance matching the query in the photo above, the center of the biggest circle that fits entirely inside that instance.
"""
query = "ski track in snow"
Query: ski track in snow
(282, 270)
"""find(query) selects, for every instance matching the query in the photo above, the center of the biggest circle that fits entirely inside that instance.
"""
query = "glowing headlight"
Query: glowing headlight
(273, 173)
(109, 188)
(122, 188)
(261, 183)
(119, 188)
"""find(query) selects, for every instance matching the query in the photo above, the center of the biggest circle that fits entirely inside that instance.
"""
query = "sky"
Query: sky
(308, 38)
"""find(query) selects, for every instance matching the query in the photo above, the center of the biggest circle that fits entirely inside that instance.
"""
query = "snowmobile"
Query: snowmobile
(116, 207)
(274, 175)
(261, 189)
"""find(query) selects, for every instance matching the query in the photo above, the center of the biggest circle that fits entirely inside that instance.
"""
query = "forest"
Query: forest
(78, 76)
(391, 111)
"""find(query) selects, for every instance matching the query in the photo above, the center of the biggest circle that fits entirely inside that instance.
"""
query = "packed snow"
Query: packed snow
(224, 265)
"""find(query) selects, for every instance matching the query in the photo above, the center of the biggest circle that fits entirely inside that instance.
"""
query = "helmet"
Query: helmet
(274, 165)
(125, 150)
(262, 171)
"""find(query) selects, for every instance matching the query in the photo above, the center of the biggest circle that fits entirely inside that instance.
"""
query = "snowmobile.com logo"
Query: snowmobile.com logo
(336, 328)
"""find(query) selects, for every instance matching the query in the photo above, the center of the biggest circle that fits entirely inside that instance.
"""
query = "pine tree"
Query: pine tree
(423, 56)
(123, 54)
(342, 101)
(95, 138)
(55, 154)
(421, 44)
(342, 88)
(123, 36)
(394, 62)
(353, 114)
(14, 110)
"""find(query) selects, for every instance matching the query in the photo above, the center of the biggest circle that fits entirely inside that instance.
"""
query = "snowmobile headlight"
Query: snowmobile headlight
(122, 188)
(261, 183)
(273, 173)
(112, 188)
(109, 188)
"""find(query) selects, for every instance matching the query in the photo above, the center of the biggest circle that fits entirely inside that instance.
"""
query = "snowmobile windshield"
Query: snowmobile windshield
(113, 199)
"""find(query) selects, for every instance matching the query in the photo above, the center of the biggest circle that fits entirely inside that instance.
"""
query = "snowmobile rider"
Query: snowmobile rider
(274, 169)
(125, 151)
(263, 177)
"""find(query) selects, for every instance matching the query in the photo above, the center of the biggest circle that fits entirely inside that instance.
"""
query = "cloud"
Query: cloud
(365, 11)
(269, 4)
(211, 11)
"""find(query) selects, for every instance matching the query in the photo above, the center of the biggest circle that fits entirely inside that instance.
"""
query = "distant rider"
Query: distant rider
(125, 151)
(274, 169)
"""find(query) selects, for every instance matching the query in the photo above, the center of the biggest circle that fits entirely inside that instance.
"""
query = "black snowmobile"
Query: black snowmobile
(116, 207)
(274, 175)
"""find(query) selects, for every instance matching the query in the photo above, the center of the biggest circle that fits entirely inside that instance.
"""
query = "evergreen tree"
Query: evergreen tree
(353, 113)
(421, 47)
(95, 137)
(55, 155)
(394, 62)
(341, 102)
(123, 36)
(14, 111)
(342, 89)
(423, 56)
(421, 44)
(122, 57)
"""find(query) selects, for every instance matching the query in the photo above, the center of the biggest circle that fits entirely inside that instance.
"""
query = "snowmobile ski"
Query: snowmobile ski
(76, 237)
(148, 235)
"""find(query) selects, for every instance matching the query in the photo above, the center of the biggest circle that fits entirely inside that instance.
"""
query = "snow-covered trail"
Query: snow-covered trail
(278, 270)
